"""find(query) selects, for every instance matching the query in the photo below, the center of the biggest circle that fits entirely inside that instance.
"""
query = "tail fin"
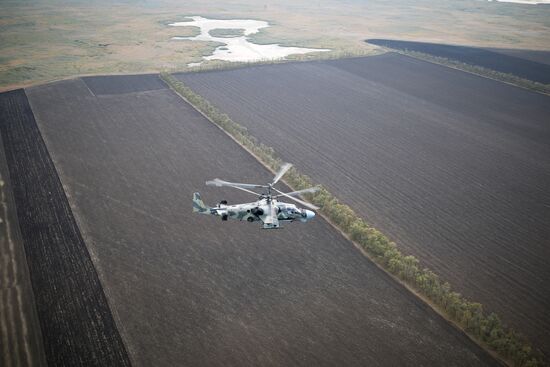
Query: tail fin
(198, 204)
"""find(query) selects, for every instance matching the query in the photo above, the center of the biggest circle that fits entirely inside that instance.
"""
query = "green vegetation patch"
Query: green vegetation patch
(227, 32)
(188, 31)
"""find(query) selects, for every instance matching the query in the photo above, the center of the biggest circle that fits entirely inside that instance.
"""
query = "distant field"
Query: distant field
(47, 40)
(542, 57)
(191, 290)
(453, 167)
(519, 63)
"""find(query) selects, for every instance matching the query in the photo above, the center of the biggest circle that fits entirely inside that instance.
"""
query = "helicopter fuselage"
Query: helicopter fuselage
(267, 209)
(259, 211)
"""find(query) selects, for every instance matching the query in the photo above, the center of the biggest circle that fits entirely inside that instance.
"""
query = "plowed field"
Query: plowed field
(189, 290)
(455, 168)
(75, 320)
(531, 65)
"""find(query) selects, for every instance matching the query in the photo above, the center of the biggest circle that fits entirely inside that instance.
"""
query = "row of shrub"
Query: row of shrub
(488, 330)
(479, 70)
(212, 65)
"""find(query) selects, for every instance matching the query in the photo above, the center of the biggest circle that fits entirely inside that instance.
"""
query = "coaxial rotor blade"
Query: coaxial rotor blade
(306, 204)
(284, 167)
(245, 190)
(304, 191)
(220, 183)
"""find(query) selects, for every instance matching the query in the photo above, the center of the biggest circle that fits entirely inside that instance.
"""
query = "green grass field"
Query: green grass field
(48, 40)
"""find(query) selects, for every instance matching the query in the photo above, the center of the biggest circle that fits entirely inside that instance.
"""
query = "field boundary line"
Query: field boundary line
(37, 83)
(466, 316)
(212, 66)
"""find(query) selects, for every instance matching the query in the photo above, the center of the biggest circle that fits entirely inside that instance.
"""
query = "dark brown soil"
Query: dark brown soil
(77, 326)
(103, 85)
(531, 65)
(455, 168)
(190, 290)
(20, 335)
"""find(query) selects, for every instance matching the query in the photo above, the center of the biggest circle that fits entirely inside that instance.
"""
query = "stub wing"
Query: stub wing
(271, 219)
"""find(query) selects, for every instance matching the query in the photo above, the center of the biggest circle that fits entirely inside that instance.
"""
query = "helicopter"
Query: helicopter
(267, 209)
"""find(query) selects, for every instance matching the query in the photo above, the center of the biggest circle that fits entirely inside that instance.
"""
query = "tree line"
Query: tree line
(212, 65)
(488, 329)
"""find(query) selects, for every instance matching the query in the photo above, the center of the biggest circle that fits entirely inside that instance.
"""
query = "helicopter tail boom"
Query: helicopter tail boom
(198, 204)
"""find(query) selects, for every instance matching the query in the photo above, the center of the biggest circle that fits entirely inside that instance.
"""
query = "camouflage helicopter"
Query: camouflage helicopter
(267, 209)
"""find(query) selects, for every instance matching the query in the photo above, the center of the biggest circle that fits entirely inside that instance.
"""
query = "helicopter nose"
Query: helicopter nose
(310, 214)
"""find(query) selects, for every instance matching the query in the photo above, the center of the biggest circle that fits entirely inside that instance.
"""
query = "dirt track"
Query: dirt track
(455, 168)
(190, 290)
